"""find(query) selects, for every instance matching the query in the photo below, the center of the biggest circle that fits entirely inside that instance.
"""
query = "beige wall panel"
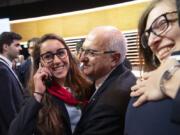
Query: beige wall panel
(123, 17)
(50, 26)
(27, 30)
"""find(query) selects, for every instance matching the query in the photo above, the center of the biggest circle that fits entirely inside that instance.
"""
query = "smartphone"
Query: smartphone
(47, 80)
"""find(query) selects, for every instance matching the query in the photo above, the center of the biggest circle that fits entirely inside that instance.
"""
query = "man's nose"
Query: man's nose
(83, 57)
(20, 48)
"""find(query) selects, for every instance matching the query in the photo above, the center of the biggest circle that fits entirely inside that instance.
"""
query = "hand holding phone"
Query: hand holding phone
(47, 82)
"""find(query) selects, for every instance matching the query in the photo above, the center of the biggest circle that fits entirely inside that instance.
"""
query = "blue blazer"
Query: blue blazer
(176, 109)
(152, 118)
(11, 97)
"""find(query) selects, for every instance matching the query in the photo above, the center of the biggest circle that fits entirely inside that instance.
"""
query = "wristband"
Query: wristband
(41, 94)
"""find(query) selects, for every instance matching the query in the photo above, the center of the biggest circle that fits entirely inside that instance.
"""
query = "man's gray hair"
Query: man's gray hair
(118, 43)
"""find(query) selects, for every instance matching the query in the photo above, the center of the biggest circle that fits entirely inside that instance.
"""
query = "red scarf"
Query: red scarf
(63, 94)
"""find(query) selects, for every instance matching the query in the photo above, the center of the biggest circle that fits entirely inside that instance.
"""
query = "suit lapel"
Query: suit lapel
(14, 74)
(115, 73)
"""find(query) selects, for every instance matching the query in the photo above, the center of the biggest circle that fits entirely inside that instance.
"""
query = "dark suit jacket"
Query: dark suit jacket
(152, 118)
(11, 98)
(25, 122)
(105, 113)
(24, 72)
(176, 109)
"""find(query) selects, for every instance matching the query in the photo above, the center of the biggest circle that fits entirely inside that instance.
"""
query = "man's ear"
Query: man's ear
(5, 47)
(115, 59)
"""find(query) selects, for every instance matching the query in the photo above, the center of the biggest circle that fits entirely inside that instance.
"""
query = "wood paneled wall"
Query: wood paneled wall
(124, 16)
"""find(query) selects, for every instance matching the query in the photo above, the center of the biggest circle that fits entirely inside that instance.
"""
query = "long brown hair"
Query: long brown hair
(150, 60)
(49, 118)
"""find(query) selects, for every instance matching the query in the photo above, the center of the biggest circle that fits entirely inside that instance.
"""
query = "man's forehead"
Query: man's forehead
(88, 41)
(15, 43)
(90, 38)
(86, 45)
(97, 44)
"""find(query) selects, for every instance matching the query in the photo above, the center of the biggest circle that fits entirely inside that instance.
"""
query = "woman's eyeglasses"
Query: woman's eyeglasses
(48, 57)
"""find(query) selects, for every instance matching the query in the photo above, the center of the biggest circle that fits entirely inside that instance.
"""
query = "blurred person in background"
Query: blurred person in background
(12, 95)
(24, 71)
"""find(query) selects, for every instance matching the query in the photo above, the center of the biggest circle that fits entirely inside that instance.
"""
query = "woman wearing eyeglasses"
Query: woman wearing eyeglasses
(159, 37)
(59, 92)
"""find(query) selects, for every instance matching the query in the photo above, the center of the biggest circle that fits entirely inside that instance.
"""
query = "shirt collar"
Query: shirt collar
(101, 80)
(99, 83)
(9, 63)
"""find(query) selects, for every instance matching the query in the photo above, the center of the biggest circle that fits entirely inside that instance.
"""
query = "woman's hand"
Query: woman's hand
(40, 88)
(147, 89)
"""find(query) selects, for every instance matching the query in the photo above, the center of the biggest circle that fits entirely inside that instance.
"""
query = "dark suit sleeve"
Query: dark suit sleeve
(19, 72)
(25, 121)
(7, 107)
(176, 108)
(105, 113)
(23, 72)
(107, 117)
(103, 121)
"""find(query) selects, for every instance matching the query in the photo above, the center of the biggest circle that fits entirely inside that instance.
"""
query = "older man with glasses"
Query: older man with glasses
(102, 55)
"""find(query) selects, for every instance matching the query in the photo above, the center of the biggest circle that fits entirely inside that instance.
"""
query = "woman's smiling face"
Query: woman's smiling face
(55, 57)
(162, 21)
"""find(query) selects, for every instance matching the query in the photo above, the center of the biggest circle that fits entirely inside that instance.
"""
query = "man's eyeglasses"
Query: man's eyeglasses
(160, 25)
(48, 57)
(31, 47)
(92, 52)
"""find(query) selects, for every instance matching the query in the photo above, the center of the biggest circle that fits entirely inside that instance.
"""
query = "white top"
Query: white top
(74, 115)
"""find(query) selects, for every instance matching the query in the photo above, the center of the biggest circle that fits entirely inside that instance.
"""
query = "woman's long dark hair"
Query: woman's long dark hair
(150, 60)
(49, 118)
